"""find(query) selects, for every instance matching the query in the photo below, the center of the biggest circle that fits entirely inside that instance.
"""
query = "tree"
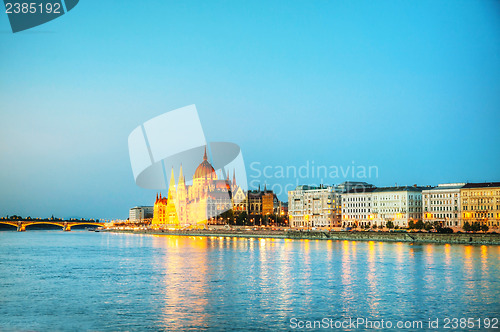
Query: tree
(265, 220)
(374, 226)
(427, 226)
(484, 228)
(419, 224)
(411, 225)
(389, 225)
(241, 218)
(475, 227)
(227, 216)
(437, 225)
(445, 230)
(280, 221)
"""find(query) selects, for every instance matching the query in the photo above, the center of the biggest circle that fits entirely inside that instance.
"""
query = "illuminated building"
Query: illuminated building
(480, 202)
(193, 205)
(239, 200)
(377, 206)
(139, 213)
(442, 204)
(314, 207)
(268, 203)
(397, 204)
(261, 202)
(357, 207)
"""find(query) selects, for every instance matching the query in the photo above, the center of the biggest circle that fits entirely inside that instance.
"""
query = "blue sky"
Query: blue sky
(411, 87)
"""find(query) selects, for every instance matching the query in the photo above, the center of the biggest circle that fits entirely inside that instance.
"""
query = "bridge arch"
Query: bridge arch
(65, 225)
(9, 223)
(85, 223)
(60, 224)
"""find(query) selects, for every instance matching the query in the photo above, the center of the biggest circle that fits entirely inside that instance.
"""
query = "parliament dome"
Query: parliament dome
(205, 169)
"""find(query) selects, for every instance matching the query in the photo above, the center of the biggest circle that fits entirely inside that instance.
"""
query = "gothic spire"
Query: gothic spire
(181, 176)
(171, 187)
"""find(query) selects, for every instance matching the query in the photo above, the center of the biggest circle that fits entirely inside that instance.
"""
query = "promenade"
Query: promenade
(415, 237)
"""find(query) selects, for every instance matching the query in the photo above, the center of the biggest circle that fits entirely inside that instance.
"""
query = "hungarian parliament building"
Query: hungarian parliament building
(196, 204)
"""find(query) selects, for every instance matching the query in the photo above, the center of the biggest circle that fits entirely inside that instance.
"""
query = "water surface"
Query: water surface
(79, 280)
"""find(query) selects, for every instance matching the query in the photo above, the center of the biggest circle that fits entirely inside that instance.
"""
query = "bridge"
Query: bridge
(66, 225)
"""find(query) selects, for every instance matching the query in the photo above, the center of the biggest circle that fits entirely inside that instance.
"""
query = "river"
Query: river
(80, 280)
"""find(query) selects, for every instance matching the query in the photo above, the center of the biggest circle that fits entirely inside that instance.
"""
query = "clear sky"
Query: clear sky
(411, 87)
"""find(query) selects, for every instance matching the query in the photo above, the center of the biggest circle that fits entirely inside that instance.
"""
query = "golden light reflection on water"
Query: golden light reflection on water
(430, 267)
(469, 283)
(372, 277)
(400, 253)
(346, 277)
(288, 269)
(484, 263)
(179, 302)
(447, 254)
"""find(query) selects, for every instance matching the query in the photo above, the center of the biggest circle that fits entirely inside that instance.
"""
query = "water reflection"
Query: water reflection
(372, 279)
(185, 271)
(187, 283)
(346, 275)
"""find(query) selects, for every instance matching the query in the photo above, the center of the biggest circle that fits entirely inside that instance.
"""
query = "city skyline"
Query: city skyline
(413, 92)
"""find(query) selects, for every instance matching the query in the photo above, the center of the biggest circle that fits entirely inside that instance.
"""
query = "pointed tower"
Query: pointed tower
(172, 218)
(181, 176)
(234, 179)
(182, 197)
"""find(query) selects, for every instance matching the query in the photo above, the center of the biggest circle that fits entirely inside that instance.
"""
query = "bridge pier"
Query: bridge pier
(21, 228)
(67, 228)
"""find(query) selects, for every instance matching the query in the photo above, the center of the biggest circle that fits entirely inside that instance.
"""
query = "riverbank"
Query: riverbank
(455, 238)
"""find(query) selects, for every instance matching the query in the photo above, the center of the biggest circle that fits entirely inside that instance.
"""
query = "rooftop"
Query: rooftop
(482, 185)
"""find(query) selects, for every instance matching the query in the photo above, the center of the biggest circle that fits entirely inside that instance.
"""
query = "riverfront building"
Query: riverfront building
(481, 203)
(377, 206)
(357, 207)
(314, 207)
(442, 204)
(191, 205)
(397, 204)
(139, 213)
(262, 202)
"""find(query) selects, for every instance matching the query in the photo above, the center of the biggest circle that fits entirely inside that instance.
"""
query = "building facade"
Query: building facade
(397, 204)
(442, 204)
(377, 206)
(140, 213)
(194, 205)
(357, 207)
(314, 207)
(261, 202)
(480, 202)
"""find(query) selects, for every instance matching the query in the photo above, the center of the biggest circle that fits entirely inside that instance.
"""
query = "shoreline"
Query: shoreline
(437, 238)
